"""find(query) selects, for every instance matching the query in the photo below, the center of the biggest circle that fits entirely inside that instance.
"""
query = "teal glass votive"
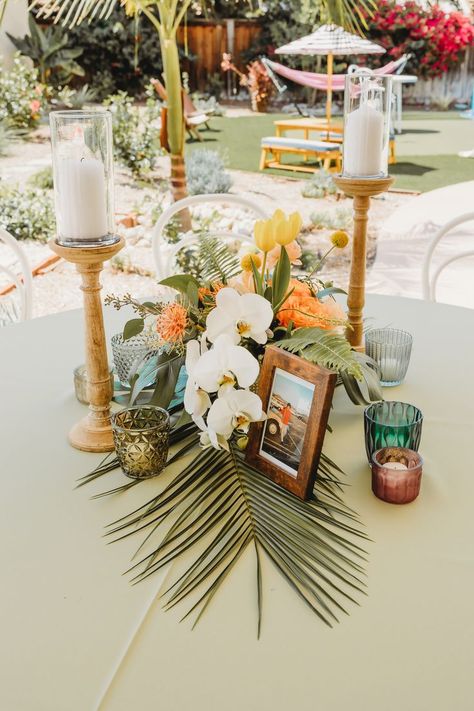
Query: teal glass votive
(392, 424)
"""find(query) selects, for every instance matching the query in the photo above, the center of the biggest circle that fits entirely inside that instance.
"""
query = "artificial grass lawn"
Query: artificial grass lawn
(426, 151)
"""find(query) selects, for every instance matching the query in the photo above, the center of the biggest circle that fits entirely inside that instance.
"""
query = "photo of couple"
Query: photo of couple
(287, 419)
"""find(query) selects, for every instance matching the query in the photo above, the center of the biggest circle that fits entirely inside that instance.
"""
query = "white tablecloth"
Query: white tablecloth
(76, 636)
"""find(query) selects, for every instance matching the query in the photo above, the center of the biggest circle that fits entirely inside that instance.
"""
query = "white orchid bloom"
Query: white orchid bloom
(196, 401)
(224, 366)
(236, 410)
(209, 438)
(240, 316)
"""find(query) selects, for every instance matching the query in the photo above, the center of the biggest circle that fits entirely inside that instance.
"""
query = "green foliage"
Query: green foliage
(118, 55)
(217, 506)
(74, 98)
(136, 132)
(326, 348)
(338, 219)
(319, 185)
(27, 213)
(216, 261)
(206, 173)
(42, 179)
(48, 50)
(21, 96)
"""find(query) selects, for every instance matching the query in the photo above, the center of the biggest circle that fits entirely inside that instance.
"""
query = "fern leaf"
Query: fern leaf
(216, 262)
(331, 350)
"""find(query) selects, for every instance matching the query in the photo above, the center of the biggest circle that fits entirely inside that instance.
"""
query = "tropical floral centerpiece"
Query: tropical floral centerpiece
(214, 331)
(218, 328)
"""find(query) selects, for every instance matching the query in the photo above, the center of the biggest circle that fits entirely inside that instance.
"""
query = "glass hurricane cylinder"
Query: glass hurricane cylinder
(83, 177)
(367, 101)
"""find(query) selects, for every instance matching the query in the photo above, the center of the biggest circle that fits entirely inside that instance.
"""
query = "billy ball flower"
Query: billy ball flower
(340, 239)
(249, 259)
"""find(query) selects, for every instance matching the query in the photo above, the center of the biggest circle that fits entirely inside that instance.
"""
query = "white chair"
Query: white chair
(429, 281)
(23, 283)
(164, 263)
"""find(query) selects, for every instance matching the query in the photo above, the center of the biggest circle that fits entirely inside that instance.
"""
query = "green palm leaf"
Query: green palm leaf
(217, 506)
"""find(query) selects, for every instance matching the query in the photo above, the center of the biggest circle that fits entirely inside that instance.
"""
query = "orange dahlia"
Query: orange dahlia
(304, 310)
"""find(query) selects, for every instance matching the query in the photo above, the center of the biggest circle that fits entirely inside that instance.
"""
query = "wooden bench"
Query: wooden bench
(272, 148)
(324, 132)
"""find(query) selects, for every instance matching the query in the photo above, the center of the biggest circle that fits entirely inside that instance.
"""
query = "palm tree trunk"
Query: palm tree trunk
(175, 121)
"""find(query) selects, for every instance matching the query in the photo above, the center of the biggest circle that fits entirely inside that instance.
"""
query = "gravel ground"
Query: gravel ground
(57, 288)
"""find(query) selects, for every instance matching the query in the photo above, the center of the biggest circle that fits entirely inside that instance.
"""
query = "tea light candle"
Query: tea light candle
(396, 474)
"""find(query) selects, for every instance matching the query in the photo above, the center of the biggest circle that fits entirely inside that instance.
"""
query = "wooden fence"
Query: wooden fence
(208, 41)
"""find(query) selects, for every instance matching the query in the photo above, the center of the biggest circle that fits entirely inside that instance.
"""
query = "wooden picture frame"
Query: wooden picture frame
(287, 446)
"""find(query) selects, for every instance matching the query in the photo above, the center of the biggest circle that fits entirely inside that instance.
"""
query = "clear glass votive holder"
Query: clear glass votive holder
(80, 383)
(396, 474)
(392, 424)
(129, 355)
(141, 439)
(391, 350)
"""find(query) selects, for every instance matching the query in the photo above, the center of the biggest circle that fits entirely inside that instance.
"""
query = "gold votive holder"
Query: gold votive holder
(396, 474)
(80, 383)
(141, 439)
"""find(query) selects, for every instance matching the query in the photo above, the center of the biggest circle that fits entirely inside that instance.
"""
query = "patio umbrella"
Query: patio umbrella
(330, 40)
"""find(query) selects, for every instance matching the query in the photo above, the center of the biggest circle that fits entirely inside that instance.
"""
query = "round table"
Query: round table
(76, 636)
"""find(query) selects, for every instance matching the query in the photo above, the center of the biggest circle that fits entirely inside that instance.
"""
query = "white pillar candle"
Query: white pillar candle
(81, 199)
(363, 141)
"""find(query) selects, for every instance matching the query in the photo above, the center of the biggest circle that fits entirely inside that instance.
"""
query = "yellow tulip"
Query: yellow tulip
(263, 235)
(282, 233)
(278, 216)
(296, 223)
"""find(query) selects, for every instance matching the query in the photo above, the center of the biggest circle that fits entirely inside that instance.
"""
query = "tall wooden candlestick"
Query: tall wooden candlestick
(94, 432)
(361, 189)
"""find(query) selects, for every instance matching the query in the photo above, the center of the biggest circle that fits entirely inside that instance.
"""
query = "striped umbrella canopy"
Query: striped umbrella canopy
(330, 40)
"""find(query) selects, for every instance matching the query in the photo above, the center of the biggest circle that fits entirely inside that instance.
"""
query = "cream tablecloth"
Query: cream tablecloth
(75, 636)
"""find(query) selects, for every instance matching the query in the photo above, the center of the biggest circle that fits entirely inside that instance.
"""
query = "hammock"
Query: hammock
(320, 81)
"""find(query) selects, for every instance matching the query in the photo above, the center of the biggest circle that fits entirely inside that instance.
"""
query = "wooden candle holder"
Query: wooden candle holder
(361, 189)
(94, 432)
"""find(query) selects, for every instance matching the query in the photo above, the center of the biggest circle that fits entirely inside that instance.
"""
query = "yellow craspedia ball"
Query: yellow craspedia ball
(247, 259)
(340, 239)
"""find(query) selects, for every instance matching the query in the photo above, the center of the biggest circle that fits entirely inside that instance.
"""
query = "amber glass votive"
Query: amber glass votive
(396, 474)
(141, 438)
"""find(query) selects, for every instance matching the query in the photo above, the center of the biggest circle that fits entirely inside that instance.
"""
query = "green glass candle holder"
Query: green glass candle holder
(141, 438)
(392, 424)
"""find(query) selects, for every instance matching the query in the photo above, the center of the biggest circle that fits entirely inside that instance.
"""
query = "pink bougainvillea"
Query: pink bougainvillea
(437, 40)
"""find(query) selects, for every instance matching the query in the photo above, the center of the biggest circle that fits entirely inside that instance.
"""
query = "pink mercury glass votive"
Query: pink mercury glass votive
(396, 474)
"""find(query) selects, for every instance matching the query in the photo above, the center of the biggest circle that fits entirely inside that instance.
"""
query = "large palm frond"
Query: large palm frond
(217, 506)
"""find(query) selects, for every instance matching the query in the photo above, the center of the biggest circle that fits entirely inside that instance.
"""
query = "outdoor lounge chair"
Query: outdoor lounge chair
(272, 148)
(192, 118)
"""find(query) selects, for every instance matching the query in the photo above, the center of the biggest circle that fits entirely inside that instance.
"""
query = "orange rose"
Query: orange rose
(304, 310)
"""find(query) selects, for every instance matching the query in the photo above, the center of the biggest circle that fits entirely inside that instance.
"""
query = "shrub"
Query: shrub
(27, 213)
(338, 219)
(21, 96)
(42, 179)
(319, 185)
(205, 173)
(436, 39)
(136, 132)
